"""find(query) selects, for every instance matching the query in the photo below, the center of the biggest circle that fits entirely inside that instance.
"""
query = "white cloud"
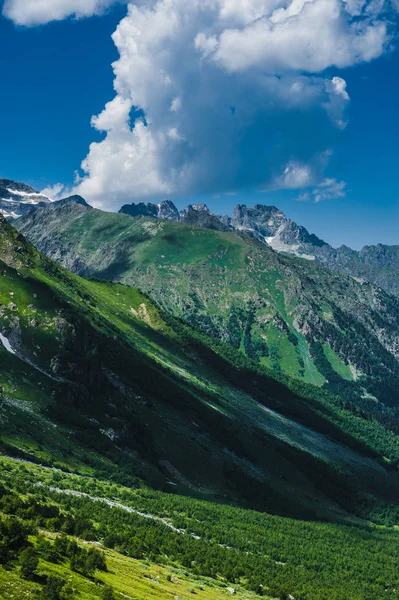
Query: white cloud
(295, 176)
(54, 192)
(328, 189)
(228, 93)
(336, 88)
(39, 12)
(305, 36)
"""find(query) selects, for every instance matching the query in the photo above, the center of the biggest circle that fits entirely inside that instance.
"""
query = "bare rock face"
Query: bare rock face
(200, 216)
(140, 210)
(167, 210)
(271, 226)
(261, 221)
(195, 214)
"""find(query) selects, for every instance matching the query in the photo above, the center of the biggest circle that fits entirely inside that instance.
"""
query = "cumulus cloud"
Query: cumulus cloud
(295, 176)
(39, 12)
(304, 35)
(218, 95)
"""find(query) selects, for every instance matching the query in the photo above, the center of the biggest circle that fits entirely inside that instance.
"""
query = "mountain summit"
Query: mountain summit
(270, 225)
(17, 199)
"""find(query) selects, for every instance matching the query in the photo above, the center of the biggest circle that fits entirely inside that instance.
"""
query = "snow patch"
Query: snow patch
(32, 197)
(278, 245)
(6, 344)
(9, 214)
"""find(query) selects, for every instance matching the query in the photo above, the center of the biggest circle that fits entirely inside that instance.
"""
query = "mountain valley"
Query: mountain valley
(197, 415)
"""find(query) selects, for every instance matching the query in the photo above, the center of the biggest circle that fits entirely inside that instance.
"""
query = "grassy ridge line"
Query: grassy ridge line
(99, 298)
(369, 431)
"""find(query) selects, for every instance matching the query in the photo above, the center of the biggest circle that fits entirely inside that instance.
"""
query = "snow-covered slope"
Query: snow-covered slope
(18, 198)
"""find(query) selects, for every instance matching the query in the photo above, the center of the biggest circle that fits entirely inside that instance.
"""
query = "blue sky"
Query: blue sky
(55, 76)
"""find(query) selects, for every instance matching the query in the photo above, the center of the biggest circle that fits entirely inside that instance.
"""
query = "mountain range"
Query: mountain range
(100, 364)
(290, 315)
(192, 374)
(378, 264)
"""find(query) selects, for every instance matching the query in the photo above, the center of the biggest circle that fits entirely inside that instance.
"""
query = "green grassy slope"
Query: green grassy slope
(281, 311)
(98, 367)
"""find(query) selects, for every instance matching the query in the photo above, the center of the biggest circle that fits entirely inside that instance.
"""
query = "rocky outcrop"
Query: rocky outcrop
(195, 214)
(261, 221)
(140, 210)
(167, 210)
(200, 216)
(70, 200)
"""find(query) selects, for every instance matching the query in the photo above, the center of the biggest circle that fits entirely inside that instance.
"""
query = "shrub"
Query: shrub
(29, 562)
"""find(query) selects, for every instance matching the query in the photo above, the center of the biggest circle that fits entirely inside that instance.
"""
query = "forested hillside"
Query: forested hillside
(77, 537)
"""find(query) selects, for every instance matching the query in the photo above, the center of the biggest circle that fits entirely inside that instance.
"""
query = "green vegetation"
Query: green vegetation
(155, 541)
(113, 386)
(288, 314)
(175, 463)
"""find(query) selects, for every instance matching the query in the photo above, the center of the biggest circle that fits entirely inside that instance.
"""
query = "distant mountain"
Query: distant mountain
(17, 199)
(266, 223)
(194, 214)
(70, 200)
(377, 264)
(293, 316)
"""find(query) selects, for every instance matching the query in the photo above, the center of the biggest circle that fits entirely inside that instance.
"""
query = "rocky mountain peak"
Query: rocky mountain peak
(18, 198)
(164, 210)
(140, 210)
(75, 199)
(200, 216)
(199, 208)
(292, 233)
(7, 185)
(167, 210)
(262, 221)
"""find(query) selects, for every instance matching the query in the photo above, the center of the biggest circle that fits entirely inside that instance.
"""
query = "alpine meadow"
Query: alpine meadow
(199, 325)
